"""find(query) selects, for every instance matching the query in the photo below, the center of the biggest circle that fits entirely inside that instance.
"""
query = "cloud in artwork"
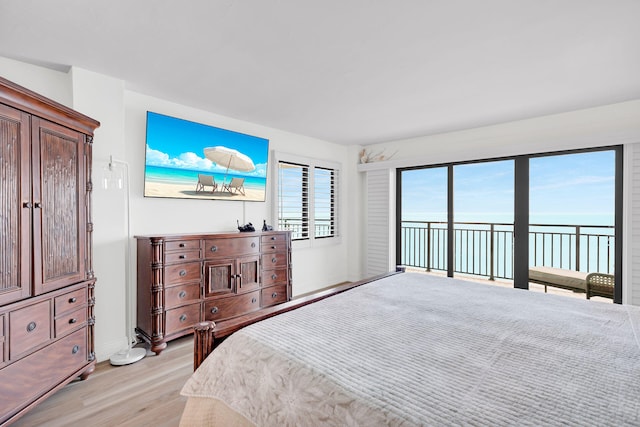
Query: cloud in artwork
(192, 161)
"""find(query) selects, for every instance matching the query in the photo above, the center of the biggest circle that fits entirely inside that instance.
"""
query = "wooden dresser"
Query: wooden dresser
(46, 271)
(189, 278)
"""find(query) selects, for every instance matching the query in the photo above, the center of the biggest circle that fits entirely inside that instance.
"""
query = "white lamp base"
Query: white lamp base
(128, 356)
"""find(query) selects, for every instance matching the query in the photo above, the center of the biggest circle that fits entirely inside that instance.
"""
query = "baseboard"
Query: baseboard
(104, 350)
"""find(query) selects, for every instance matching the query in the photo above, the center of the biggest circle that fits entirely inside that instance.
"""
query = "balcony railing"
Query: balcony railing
(486, 249)
(323, 228)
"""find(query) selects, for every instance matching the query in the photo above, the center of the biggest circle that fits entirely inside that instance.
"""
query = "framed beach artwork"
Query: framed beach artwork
(189, 160)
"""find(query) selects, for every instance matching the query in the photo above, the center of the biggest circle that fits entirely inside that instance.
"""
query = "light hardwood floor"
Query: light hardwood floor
(146, 393)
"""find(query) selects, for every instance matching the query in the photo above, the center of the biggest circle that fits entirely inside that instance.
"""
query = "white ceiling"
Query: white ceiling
(347, 71)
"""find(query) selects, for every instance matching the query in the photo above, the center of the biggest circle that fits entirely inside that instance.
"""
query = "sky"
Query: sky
(177, 143)
(564, 189)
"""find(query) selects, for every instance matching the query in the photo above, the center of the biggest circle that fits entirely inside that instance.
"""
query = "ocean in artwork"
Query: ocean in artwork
(184, 176)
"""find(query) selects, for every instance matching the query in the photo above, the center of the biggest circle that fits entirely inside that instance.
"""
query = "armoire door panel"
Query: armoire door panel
(15, 205)
(58, 201)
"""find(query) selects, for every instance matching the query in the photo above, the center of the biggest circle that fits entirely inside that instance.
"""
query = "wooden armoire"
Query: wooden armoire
(46, 272)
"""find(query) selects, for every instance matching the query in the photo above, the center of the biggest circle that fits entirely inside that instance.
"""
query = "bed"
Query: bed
(413, 349)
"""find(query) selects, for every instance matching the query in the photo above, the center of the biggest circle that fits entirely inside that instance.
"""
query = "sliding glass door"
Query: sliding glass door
(572, 199)
(423, 219)
(483, 219)
(501, 219)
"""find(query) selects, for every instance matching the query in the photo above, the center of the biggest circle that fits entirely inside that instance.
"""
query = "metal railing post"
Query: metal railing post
(491, 249)
(578, 248)
(428, 263)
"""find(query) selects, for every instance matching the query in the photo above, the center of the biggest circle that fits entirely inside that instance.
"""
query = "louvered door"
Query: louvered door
(15, 199)
(58, 206)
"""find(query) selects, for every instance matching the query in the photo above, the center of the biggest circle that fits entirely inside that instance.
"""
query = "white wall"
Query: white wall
(155, 215)
(122, 114)
(602, 126)
(52, 84)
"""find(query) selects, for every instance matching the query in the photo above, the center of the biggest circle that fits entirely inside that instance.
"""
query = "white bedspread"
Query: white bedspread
(415, 349)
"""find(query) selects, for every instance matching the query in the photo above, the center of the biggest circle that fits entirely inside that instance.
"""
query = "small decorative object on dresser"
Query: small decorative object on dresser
(47, 280)
(189, 278)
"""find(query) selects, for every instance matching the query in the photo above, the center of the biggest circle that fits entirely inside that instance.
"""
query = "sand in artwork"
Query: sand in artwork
(163, 189)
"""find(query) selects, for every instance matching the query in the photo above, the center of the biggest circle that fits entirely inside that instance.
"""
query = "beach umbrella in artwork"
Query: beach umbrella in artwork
(230, 158)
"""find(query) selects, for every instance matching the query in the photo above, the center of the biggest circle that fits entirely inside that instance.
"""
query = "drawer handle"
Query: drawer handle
(253, 244)
(214, 248)
(182, 257)
(183, 273)
(273, 295)
(273, 247)
(214, 310)
(31, 326)
(182, 294)
(253, 300)
(183, 317)
(273, 238)
(72, 321)
(72, 300)
(274, 259)
(181, 245)
(75, 349)
(274, 276)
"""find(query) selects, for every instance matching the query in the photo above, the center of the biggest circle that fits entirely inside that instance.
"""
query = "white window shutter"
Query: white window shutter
(380, 244)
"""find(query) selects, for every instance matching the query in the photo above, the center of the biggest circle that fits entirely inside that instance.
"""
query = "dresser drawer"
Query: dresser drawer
(181, 245)
(273, 277)
(69, 321)
(273, 261)
(226, 308)
(274, 238)
(182, 273)
(181, 318)
(180, 295)
(70, 301)
(181, 256)
(273, 295)
(270, 247)
(37, 373)
(231, 247)
(29, 327)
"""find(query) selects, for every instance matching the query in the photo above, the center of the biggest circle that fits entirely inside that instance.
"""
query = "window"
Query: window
(308, 199)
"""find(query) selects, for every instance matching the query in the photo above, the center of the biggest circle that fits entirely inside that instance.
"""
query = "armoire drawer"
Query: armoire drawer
(37, 373)
(69, 321)
(2, 339)
(182, 318)
(181, 295)
(225, 308)
(29, 327)
(182, 273)
(70, 301)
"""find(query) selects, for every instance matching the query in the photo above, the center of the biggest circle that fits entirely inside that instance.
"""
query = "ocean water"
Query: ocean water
(184, 176)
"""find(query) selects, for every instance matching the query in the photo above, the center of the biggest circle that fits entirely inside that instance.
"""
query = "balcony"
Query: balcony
(322, 228)
(486, 249)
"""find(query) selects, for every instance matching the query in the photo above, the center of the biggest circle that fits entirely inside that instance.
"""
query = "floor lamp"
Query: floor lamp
(116, 177)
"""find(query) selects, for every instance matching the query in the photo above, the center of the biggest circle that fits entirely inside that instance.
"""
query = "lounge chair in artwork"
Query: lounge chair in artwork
(235, 186)
(206, 181)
